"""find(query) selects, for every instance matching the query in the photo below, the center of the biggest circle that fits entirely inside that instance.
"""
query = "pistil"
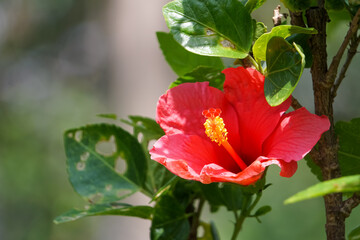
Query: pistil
(216, 131)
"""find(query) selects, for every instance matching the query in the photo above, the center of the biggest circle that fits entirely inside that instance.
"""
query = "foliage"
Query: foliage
(203, 35)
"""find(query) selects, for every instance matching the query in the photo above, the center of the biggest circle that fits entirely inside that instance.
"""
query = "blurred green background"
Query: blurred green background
(64, 61)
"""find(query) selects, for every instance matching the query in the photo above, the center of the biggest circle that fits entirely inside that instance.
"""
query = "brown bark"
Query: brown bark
(327, 146)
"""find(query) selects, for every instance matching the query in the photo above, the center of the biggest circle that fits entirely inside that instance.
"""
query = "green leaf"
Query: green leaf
(182, 61)
(349, 141)
(148, 127)
(224, 194)
(94, 154)
(202, 74)
(170, 220)
(355, 234)
(108, 115)
(302, 40)
(283, 31)
(262, 211)
(260, 30)
(251, 5)
(222, 28)
(343, 184)
(285, 65)
(122, 209)
(315, 169)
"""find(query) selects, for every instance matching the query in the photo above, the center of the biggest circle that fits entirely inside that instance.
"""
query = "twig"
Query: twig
(354, 43)
(295, 103)
(331, 74)
(277, 16)
(350, 204)
(297, 19)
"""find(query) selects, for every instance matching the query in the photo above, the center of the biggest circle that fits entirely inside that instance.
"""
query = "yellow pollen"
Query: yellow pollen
(216, 131)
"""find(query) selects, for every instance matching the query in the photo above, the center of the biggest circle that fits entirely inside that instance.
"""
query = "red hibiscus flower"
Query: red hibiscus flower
(231, 136)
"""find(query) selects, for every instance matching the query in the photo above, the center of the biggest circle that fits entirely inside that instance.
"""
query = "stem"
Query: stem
(331, 74)
(238, 226)
(195, 220)
(295, 103)
(350, 204)
(327, 146)
(354, 43)
(255, 64)
(244, 213)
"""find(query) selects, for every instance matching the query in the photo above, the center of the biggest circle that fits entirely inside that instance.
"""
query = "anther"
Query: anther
(216, 131)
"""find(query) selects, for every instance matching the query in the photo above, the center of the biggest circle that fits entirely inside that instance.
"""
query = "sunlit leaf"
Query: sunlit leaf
(349, 141)
(95, 158)
(202, 74)
(283, 31)
(181, 60)
(343, 184)
(285, 65)
(221, 28)
(122, 209)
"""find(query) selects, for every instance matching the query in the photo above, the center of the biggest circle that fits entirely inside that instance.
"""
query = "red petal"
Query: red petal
(179, 111)
(215, 173)
(186, 156)
(287, 168)
(295, 136)
(244, 88)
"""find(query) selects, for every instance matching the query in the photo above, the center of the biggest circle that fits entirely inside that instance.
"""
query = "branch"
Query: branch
(278, 16)
(295, 103)
(331, 74)
(297, 19)
(350, 204)
(354, 43)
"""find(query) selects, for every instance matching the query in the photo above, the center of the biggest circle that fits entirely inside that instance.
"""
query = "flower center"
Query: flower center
(216, 131)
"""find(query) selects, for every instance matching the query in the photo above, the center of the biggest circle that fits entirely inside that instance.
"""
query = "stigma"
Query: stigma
(216, 131)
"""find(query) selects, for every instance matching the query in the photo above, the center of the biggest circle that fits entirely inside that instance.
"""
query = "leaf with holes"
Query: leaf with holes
(222, 28)
(349, 141)
(343, 184)
(93, 155)
(202, 74)
(283, 31)
(121, 209)
(157, 175)
(148, 127)
(170, 220)
(285, 65)
(182, 61)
